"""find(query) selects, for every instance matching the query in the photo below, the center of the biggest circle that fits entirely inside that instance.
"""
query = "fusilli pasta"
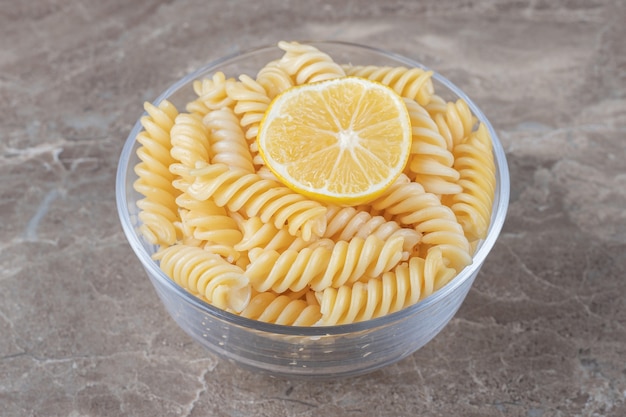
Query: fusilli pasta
(282, 309)
(408, 283)
(190, 145)
(158, 210)
(203, 273)
(307, 64)
(274, 79)
(190, 141)
(455, 121)
(472, 206)
(211, 94)
(251, 102)
(265, 236)
(411, 205)
(431, 163)
(320, 267)
(228, 144)
(213, 227)
(344, 223)
(238, 189)
(412, 83)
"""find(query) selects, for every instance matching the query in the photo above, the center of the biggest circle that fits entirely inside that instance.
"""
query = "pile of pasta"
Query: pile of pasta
(233, 235)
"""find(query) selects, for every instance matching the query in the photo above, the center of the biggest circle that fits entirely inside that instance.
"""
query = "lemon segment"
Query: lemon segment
(341, 141)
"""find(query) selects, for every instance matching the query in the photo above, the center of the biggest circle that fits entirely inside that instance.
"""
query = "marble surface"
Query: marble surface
(543, 331)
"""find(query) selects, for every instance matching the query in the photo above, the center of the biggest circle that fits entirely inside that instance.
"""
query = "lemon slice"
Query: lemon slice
(341, 141)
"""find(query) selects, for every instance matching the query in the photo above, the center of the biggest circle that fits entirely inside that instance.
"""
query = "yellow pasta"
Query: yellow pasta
(234, 236)
(272, 202)
(411, 205)
(412, 83)
(251, 102)
(158, 210)
(189, 145)
(258, 235)
(211, 94)
(454, 120)
(274, 79)
(282, 309)
(408, 283)
(211, 226)
(472, 206)
(345, 223)
(431, 163)
(227, 141)
(319, 266)
(307, 64)
(201, 272)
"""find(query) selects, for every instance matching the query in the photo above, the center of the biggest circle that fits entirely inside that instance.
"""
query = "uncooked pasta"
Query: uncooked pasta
(412, 83)
(274, 78)
(319, 266)
(233, 235)
(454, 120)
(307, 64)
(158, 210)
(431, 163)
(227, 140)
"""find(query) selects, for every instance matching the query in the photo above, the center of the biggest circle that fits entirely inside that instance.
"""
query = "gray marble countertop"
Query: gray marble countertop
(542, 332)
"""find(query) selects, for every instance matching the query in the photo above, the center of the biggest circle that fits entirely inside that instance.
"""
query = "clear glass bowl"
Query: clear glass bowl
(309, 352)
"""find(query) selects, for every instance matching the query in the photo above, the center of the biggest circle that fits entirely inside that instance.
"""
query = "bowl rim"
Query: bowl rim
(499, 209)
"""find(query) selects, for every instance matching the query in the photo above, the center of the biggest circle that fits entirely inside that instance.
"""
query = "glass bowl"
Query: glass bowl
(306, 352)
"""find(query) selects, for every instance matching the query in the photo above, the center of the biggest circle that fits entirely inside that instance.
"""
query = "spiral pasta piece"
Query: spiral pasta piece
(265, 173)
(190, 145)
(228, 144)
(475, 163)
(290, 270)
(190, 140)
(202, 273)
(412, 83)
(158, 210)
(307, 64)
(344, 223)
(208, 226)
(259, 235)
(431, 163)
(319, 266)
(410, 204)
(455, 121)
(282, 309)
(272, 202)
(211, 94)
(436, 105)
(185, 232)
(251, 102)
(158, 223)
(274, 79)
(408, 283)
